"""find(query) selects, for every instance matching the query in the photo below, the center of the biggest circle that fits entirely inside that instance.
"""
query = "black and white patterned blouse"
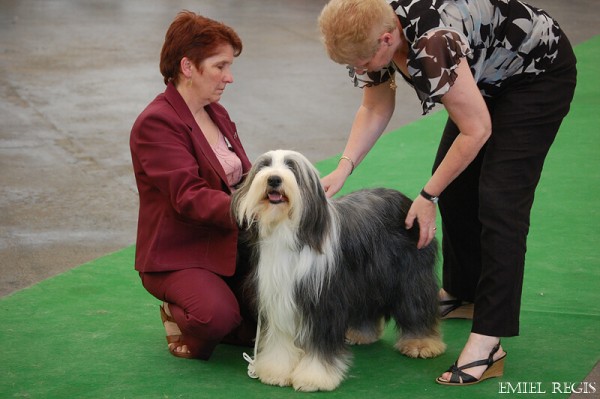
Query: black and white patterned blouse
(500, 38)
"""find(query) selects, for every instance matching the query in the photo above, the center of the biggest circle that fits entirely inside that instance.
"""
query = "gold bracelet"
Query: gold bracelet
(349, 160)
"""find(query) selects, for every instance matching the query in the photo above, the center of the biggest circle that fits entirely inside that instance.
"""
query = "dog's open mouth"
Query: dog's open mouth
(276, 197)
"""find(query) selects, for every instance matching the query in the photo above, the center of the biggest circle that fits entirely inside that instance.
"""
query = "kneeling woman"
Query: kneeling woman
(187, 159)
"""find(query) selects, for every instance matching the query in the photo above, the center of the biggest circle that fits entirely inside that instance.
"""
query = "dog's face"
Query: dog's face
(280, 187)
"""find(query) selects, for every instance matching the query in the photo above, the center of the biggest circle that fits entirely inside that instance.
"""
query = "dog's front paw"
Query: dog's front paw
(313, 374)
(273, 375)
(421, 347)
(312, 381)
(274, 364)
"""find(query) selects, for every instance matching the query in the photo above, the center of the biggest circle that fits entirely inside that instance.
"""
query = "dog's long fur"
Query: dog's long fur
(329, 271)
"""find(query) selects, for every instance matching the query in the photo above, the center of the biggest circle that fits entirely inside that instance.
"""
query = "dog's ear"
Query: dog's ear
(316, 219)
(239, 205)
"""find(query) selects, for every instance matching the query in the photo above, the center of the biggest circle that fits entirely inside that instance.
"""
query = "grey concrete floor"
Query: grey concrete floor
(75, 74)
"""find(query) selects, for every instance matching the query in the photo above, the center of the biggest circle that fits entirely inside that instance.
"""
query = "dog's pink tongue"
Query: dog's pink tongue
(275, 197)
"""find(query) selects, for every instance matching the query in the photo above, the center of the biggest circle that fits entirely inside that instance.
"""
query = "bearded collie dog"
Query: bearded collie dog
(328, 272)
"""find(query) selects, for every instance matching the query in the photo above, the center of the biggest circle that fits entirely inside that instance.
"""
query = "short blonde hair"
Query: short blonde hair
(350, 28)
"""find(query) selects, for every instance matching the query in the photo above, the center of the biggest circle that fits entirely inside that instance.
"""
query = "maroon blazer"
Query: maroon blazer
(184, 217)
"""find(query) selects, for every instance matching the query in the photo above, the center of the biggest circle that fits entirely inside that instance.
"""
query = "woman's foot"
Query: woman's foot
(174, 336)
(453, 308)
(478, 350)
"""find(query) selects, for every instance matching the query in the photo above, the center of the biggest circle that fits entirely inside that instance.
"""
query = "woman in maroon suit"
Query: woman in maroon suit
(187, 160)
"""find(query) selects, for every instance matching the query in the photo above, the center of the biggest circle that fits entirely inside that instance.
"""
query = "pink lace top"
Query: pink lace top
(230, 162)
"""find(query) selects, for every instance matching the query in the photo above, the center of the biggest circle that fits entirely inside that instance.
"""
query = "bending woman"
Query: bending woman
(506, 74)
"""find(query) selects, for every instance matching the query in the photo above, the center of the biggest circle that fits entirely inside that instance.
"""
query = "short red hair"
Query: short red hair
(195, 37)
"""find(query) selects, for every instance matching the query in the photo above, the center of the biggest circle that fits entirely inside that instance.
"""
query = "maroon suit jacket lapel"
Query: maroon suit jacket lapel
(179, 105)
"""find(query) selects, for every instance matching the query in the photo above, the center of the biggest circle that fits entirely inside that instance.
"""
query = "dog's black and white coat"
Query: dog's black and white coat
(329, 272)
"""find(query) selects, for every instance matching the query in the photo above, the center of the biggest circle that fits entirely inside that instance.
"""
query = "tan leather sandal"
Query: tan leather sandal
(174, 341)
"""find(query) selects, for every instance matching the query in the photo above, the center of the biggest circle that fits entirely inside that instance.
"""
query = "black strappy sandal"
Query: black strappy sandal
(495, 368)
(456, 309)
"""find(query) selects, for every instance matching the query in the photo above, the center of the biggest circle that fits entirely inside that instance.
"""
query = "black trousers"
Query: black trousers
(486, 210)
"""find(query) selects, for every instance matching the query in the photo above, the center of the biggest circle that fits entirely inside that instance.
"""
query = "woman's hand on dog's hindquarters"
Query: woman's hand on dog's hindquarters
(423, 212)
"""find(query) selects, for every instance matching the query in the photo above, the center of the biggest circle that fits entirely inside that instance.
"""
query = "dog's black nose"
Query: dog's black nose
(274, 181)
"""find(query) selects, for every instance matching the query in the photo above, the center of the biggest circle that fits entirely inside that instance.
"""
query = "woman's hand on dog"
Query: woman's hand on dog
(423, 212)
(333, 182)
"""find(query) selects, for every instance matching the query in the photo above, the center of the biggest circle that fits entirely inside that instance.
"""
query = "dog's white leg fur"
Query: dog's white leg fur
(423, 347)
(277, 359)
(314, 375)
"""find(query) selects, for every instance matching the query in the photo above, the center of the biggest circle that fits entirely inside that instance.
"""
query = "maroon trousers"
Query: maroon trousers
(486, 210)
(208, 308)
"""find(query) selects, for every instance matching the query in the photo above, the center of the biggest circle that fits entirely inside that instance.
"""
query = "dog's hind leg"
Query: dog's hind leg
(366, 333)
(421, 346)
(417, 318)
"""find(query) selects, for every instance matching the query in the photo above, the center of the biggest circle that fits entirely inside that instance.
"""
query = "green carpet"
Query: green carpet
(94, 332)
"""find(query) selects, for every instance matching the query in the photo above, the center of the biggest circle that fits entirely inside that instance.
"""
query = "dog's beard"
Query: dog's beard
(283, 192)
(273, 206)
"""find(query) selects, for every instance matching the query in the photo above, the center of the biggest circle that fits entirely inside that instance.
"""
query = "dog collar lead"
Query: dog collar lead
(429, 197)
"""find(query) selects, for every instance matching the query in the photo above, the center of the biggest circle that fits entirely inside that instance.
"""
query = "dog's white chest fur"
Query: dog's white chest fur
(281, 267)
(276, 282)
